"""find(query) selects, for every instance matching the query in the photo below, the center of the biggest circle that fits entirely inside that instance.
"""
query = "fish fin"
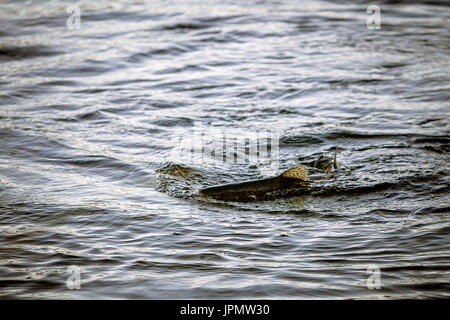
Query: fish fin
(298, 172)
(335, 163)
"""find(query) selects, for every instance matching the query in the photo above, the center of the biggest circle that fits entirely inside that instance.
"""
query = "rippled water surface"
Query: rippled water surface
(89, 119)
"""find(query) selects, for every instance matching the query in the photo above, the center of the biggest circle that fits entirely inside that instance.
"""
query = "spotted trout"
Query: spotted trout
(293, 181)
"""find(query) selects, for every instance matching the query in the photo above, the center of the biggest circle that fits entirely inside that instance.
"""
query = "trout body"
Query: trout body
(254, 190)
(290, 182)
(294, 181)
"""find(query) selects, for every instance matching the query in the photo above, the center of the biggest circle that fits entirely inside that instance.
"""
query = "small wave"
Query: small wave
(27, 52)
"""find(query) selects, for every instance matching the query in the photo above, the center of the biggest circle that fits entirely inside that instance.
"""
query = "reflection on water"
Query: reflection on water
(89, 119)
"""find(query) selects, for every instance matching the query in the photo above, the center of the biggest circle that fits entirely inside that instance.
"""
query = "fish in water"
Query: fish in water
(292, 182)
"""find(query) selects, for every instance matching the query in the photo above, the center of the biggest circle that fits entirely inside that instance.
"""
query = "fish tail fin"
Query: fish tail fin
(335, 163)
(298, 172)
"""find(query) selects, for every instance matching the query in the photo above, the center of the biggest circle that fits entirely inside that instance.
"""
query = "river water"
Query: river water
(90, 117)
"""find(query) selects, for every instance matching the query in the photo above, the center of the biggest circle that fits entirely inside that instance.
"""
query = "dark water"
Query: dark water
(89, 117)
